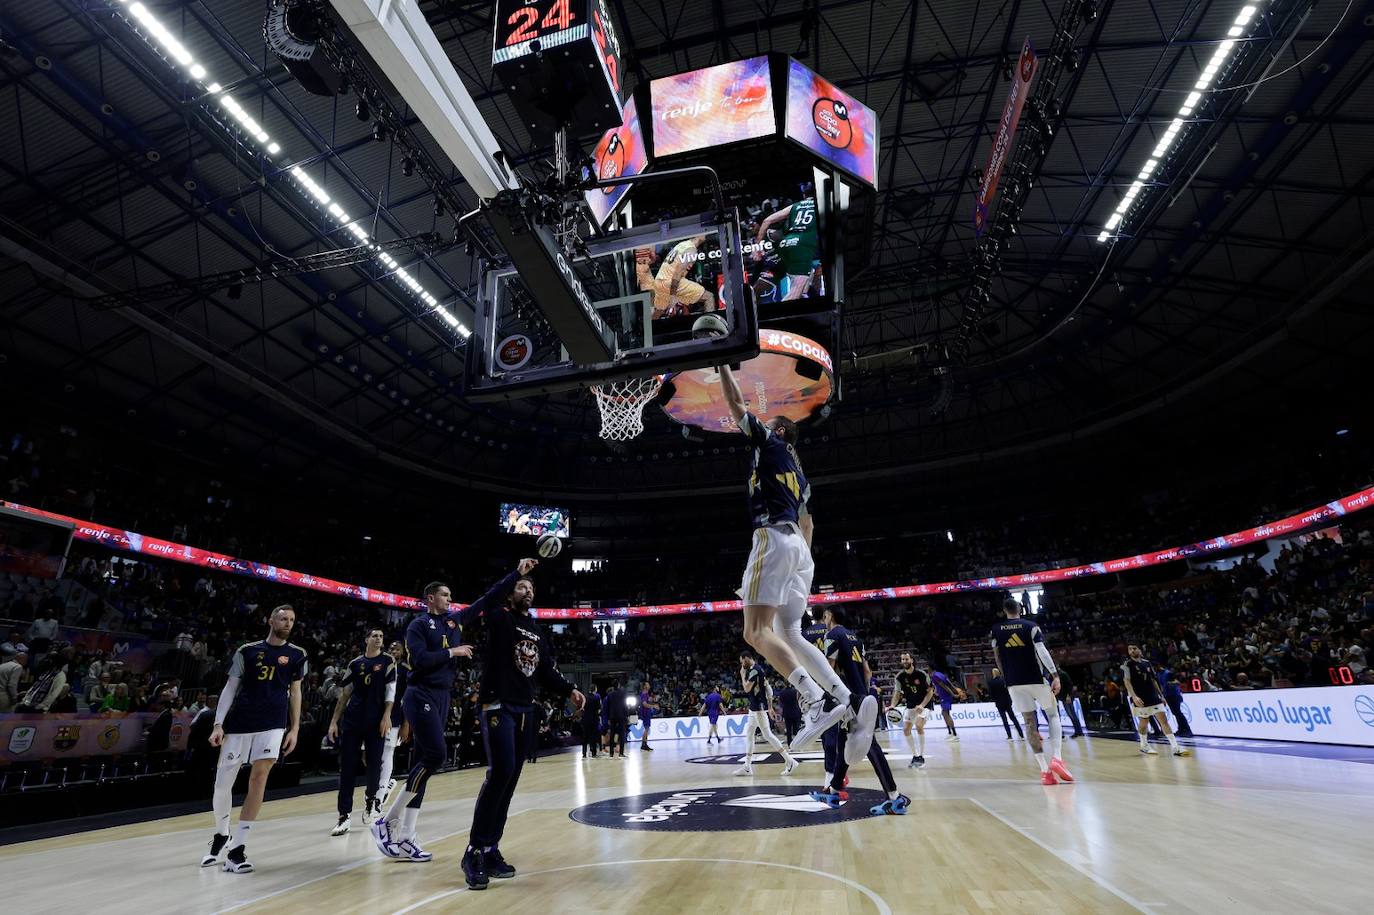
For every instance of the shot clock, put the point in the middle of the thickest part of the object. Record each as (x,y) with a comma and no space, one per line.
(559,60)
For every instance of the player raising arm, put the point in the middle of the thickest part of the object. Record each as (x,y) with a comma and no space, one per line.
(777,578)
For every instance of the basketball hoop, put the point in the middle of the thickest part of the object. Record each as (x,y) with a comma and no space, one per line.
(622,406)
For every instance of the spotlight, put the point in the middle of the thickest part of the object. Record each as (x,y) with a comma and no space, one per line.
(407,166)
(361,111)
(379,132)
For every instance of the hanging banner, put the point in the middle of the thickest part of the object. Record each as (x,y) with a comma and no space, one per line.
(1006,132)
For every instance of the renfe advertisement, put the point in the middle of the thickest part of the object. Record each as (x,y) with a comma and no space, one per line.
(712,107)
(620,154)
(831,123)
(1317,714)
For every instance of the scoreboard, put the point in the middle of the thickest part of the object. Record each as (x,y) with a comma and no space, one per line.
(560,61)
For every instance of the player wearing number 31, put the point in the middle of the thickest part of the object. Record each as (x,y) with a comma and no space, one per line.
(255,723)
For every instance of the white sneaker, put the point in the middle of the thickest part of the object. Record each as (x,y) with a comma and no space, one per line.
(217,844)
(342,826)
(381,834)
(745,769)
(409,851)
(816,721)
(951,737)
(791,765)
(1148,750)
(861,731)
(237,862)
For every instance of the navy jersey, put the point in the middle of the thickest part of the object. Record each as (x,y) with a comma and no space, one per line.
(844,648)
(1143,679)
(754,689)
(518,655)
(1015,641)
(428,639)
(265,674)
(591,709)
(777,487)
(915,686)
(815,634)
(788,702)
(713,703)
(369,678)
(398,712)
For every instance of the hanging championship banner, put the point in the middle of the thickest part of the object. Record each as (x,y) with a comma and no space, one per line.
(1006,131)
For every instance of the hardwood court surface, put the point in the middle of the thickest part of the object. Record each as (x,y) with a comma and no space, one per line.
(1223,831)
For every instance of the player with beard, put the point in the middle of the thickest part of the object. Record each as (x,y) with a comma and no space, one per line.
(256,722)
(517,659)
(915,692)
(1147,701)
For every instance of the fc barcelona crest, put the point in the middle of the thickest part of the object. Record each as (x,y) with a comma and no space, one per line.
(66,737)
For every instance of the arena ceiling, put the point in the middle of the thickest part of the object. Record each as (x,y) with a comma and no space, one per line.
(1239,279)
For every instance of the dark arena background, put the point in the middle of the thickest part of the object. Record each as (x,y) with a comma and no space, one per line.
(535,445)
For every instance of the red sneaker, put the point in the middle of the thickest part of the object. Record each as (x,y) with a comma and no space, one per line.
(1058,768)
(1047,778)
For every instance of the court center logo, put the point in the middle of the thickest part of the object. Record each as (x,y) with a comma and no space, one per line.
(737,808)
(1364,707)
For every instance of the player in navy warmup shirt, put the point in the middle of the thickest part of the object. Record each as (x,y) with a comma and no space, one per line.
(846,653)
(755,688)
(1018,646)
(433,641)
(647,710)
(369,690)
(517,661)
(710,707)
(1147,700)
(256,722)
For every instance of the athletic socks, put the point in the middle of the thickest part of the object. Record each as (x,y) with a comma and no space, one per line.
(808,687)
(911,744)
(1144,737)
(1173,741)
(1042,762)
(922,738)
(398,803)
(1056,737)
(223,799)
(409,817)
(241,834)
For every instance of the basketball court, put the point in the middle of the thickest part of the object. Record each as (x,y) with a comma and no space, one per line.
(1223,831)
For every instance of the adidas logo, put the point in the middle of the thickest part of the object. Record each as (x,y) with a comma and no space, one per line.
(1015,641)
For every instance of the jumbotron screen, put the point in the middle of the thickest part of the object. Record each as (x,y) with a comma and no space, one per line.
(781,229)
(712,107)
(831,123)
(620,154)
(537,520)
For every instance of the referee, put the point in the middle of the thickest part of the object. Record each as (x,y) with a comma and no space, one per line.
(518,653)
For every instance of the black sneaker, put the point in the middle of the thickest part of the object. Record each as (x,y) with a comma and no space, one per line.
(920,762)
(216,846)
(475,869)
(237,862)
(496,865)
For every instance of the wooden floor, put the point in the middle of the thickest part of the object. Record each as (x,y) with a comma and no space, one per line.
(1224,831)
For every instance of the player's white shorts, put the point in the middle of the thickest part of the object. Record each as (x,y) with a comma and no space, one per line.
(779,570)
(1025,697)
(1147,711)
(915,714)
(243,749)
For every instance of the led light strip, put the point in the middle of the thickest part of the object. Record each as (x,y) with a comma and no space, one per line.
(1175,128)
(154,29)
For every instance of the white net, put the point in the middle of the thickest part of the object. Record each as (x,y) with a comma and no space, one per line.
(622,406)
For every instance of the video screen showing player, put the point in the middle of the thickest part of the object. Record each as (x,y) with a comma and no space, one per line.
(536,520)
(781,257)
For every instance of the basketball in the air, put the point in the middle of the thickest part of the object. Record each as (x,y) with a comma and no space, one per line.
(709,326)
(550,546)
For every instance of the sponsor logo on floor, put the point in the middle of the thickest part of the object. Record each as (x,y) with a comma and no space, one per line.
(724,809)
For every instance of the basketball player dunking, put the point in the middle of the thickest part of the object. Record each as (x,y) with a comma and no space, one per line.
(914,692)
(755,691)
(777,578)
(1019,647)
(256,722)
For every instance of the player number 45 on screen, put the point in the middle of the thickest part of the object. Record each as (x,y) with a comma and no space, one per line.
(558,18)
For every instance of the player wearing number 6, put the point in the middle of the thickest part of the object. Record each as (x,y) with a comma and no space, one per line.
(255,723)
(777,578)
